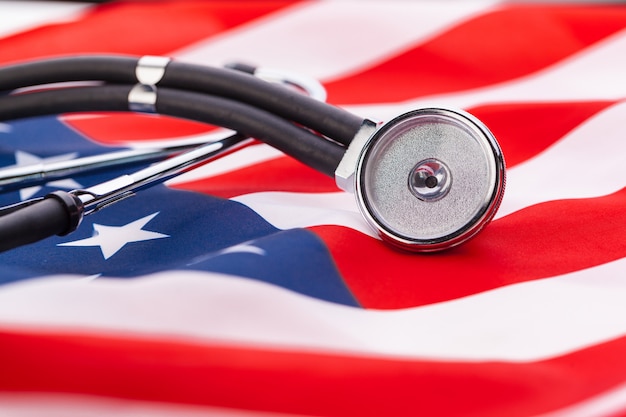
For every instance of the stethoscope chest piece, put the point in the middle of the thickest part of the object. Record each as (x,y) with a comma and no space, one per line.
(430,179)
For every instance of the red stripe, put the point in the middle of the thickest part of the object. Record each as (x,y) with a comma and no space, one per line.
(281,174)
(491,48)
(126,127)
(534,243)
(135,27)
(300,382)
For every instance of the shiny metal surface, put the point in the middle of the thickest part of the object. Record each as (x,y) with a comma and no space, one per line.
(345,172)
(150,69)
(142,98)
(458,150)
(430,180)
(16,177)
(109,192)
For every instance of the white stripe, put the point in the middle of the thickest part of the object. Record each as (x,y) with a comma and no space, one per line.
(20,16)
(30,404)
(286,210)
(524,322)
(595,73)
(328,39)
(588,162)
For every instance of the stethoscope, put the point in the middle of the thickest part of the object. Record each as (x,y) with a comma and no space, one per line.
(427,180)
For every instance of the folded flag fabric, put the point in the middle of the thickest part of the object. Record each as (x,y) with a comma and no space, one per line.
(251,286)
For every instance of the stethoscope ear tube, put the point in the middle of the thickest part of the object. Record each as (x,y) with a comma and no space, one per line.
(228,83)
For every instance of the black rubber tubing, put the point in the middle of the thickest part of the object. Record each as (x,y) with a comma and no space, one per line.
(331,121)
(318,153)
(113,69)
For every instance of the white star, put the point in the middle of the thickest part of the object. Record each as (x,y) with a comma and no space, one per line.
(24,158)
(113,238)
(5,128)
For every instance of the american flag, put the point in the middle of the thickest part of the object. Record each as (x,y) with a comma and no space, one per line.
(252,287)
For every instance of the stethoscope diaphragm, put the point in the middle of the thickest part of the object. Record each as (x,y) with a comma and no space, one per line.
(430,179)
